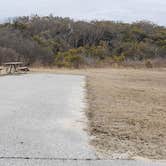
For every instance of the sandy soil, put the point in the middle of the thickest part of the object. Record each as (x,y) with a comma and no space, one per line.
(127,111)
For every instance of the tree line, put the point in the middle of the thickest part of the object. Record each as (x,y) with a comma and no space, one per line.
(64,42)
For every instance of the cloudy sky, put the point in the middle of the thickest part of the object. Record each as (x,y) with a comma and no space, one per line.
(119,10)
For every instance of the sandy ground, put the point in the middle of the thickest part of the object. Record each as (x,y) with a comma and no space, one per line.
(127,111)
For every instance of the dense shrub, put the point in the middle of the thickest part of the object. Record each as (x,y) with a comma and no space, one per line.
(148,64)
(54,40)
(8,54)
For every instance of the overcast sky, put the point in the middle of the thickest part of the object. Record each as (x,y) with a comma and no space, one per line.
(118,10)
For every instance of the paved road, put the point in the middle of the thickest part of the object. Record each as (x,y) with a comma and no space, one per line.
(42,121)
(78,163)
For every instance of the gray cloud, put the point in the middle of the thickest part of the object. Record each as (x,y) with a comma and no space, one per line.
(119,10)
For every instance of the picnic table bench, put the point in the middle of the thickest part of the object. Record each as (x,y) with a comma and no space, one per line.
(25,69)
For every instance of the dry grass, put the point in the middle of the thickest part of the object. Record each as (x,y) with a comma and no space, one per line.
(127,110)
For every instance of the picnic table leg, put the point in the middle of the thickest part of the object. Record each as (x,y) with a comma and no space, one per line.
(15,68)
(6,68)
(10,69)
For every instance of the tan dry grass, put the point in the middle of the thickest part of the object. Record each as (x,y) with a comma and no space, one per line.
(127,110)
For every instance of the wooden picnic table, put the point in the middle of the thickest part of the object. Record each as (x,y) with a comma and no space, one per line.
(12,67)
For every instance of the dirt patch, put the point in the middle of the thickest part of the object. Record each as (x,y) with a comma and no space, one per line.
(127,111)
